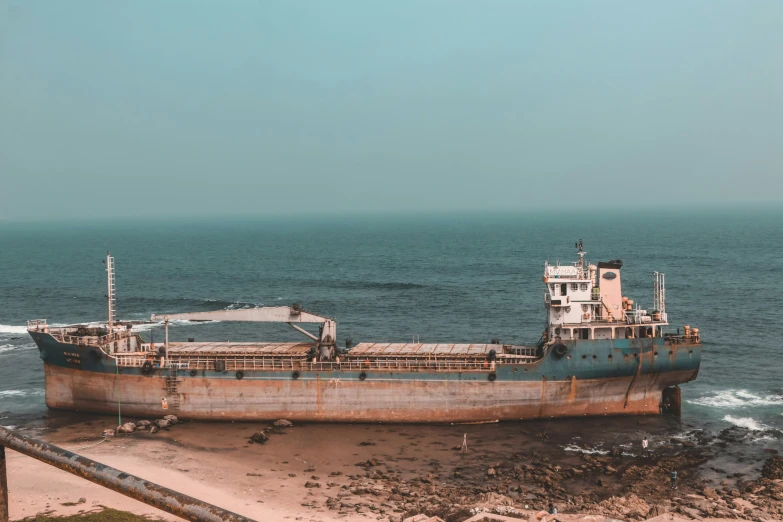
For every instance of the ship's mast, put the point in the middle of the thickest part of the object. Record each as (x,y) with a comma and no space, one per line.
(659,294)
(581,253)
(110,296)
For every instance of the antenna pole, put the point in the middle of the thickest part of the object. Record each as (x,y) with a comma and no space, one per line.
(111,295)
(581,253)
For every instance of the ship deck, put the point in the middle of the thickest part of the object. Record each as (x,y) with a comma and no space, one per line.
(240,348)
(435,350)
(361,350)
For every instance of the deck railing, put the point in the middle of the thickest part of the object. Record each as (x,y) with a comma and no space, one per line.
(90,340)
(36,324)
(249,363)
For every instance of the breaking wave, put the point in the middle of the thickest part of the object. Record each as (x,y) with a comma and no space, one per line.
(731,399)
(8,329)
(746,422)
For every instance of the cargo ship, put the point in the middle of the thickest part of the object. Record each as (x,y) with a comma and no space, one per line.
(600,354)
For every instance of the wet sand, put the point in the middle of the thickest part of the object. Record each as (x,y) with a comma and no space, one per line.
(319,472)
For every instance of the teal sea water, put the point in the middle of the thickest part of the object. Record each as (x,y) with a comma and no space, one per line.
(449,278)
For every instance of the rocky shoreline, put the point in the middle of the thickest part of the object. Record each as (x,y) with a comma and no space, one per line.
(616,485)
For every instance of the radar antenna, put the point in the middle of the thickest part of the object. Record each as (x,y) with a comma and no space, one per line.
(581,253)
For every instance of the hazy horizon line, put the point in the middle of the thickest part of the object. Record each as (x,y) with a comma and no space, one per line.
(571,210)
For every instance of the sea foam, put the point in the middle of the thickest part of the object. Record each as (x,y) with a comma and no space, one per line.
(20,393)
(587,451)
(10,347)
(730,399)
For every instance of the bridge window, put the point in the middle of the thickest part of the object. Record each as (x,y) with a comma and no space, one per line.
(583,287)
(552,288)
(574,287)
(564,289)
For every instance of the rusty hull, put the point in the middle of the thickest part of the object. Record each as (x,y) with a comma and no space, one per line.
(596,377)
(380,398)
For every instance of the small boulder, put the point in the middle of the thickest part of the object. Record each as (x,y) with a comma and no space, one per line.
(283,423)
(656,511)
(154,429)
(491,472)
(310,484)
(710,493)
(172,419)
(107,434)
(773,468)
(144,423)
(161,423)
(259,438)
(128,427)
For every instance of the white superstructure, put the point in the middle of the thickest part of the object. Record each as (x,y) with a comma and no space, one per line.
(586,302)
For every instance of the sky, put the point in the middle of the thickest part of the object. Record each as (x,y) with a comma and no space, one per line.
(187,108)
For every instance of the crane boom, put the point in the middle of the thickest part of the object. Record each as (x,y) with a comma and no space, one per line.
(267,314)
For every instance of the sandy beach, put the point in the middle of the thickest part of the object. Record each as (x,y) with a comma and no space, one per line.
(386,472)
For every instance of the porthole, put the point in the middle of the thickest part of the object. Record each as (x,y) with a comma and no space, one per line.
(583,287)
(574,287)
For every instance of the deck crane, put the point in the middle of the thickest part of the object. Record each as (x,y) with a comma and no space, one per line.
(324,342)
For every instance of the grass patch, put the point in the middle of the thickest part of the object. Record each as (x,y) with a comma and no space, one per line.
(103,515)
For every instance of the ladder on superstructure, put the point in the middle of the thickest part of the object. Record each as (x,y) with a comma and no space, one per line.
(111,295)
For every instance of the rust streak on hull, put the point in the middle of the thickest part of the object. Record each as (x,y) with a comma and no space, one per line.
(359,401)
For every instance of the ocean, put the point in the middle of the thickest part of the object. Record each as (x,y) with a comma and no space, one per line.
(441,278)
